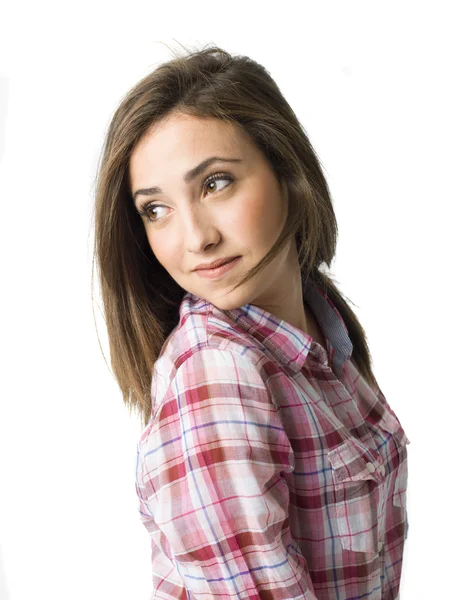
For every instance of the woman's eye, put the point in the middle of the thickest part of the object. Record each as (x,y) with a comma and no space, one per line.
(147,211)
(211,183)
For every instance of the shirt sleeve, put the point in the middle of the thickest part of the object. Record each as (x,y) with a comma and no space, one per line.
(213,479)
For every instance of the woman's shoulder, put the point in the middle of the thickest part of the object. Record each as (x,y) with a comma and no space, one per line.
(202,326)
(183,366)
(201,335)
(209,341)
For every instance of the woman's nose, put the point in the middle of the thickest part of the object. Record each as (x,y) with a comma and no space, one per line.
(199,230)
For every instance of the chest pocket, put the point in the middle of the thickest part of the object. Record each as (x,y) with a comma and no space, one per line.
(357,470)
(391,424)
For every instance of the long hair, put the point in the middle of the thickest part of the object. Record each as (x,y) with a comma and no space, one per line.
(140,299)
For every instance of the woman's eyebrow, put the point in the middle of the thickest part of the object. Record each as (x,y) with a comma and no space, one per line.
(188,177)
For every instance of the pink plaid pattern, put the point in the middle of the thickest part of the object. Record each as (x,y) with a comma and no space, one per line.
(266,472)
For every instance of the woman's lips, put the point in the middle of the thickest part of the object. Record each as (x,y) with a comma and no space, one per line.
(218,271)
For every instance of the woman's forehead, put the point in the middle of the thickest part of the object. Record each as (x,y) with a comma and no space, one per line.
(180,129)
(180,143)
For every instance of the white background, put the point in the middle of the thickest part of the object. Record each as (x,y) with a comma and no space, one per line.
(370,83)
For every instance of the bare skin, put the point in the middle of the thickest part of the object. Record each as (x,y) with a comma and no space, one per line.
(194,222)
(242,215)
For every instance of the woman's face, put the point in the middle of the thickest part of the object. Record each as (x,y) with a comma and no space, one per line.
(229,208)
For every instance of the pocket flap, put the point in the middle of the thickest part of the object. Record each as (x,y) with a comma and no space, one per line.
(352,461)
(391,424)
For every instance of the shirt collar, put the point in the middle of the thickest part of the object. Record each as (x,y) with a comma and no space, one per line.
(289,344)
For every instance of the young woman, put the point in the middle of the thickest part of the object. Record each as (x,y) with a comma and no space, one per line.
(270,463)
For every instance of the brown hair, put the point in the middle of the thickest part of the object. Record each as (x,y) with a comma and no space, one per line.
(140,299)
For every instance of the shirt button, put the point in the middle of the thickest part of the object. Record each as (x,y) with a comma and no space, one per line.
(370,467)
(383,470)
(380,546)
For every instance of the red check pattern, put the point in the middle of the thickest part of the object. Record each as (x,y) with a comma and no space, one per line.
(269,469)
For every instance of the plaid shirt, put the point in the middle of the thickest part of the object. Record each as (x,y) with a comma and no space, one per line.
(264,472)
